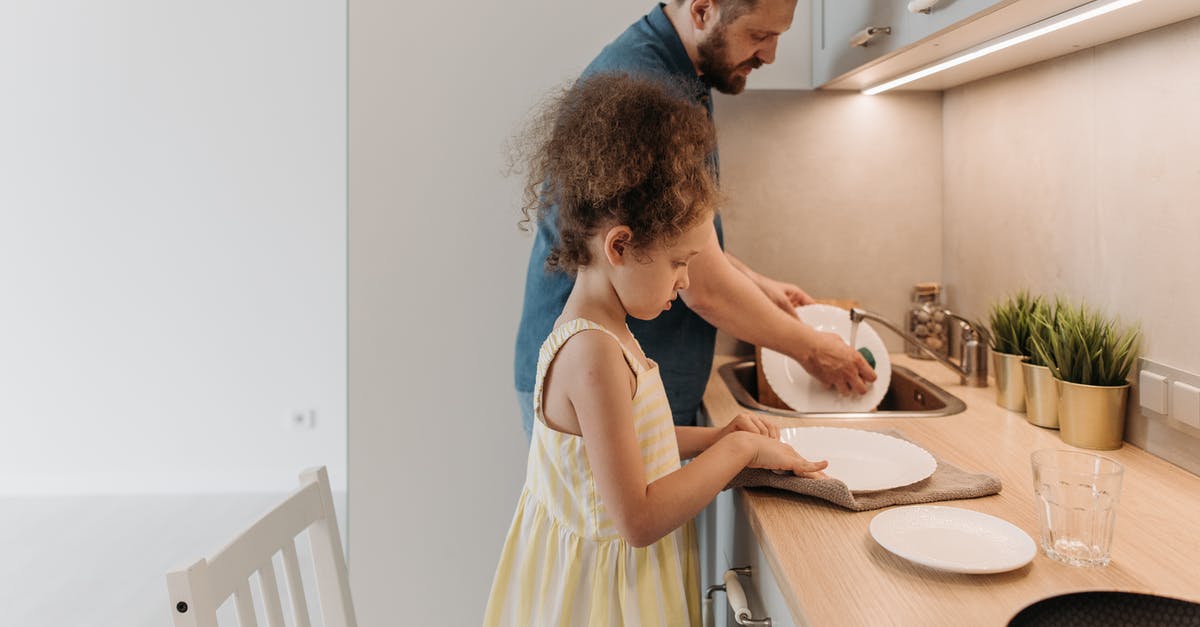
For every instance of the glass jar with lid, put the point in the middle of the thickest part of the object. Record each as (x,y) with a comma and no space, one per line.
(926,321)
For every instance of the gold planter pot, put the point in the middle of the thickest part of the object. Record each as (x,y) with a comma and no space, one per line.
(1091,416)
(1010,383)
(1041,396)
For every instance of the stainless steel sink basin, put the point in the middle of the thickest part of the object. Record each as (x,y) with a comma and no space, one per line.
(909,395)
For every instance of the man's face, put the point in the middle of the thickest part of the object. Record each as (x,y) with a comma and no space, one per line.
(733,48)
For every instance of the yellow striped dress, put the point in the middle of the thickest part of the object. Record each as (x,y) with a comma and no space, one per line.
(564,562)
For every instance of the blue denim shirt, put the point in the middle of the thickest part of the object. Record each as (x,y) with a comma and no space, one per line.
(678,339)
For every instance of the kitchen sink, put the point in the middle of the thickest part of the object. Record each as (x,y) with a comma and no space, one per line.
(909,395)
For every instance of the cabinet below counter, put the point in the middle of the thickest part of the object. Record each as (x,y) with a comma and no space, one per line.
(829,570)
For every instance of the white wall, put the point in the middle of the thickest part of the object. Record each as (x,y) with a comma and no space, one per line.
(172,244)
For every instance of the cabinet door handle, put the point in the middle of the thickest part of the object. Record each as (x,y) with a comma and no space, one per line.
(736,595)
(865,36)
(922,6)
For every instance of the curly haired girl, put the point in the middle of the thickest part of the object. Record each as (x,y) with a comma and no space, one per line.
(602,533)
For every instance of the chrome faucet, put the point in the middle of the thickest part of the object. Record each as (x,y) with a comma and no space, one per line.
(972,366)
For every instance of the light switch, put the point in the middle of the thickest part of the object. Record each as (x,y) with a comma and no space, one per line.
(1185,404)
(1152,391)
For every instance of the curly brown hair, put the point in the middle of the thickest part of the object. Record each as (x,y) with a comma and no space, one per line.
(612,150)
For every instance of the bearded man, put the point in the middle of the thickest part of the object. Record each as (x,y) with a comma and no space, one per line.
(701,44)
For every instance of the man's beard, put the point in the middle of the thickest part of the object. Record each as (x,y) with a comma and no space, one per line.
(716,70)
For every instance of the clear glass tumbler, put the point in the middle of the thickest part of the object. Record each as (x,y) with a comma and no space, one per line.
(1077,495)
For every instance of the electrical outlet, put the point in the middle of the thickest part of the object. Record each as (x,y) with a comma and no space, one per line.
(1152,391)
(1170,392)
(304,420)
(1185,404)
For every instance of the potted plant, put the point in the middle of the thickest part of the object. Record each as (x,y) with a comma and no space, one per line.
(1041,389)
(1010,321)
(1090,356)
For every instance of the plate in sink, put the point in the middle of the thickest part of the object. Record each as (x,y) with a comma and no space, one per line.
(953,539)
(803,392)
(865,461)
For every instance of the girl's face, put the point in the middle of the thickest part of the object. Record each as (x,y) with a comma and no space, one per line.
(647,280)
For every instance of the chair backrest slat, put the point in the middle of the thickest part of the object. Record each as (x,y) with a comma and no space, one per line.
(241,557)
(245,604)
(270,595)
(197,591)
(336,605)
(291,568)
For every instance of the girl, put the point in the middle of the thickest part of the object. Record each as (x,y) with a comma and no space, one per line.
(603,532)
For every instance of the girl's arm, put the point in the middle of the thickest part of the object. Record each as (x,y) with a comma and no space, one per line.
(696,440)
(596,381)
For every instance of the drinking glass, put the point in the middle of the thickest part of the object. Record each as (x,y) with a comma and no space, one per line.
(1077,495)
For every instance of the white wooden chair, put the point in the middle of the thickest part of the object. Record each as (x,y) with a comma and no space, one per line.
(197,591)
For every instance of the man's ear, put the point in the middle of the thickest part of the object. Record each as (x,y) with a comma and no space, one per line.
(618,246)
(703,13)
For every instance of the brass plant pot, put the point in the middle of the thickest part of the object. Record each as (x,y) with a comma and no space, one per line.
(1041,396)
(1092,416)
(1010,383)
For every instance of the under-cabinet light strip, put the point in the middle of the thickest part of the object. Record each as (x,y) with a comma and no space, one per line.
(1037,29)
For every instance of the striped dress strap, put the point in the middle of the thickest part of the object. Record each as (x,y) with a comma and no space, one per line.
(584,324)
(557,339)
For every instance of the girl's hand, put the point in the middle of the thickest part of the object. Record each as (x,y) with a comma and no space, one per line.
(772,454)
(752,424)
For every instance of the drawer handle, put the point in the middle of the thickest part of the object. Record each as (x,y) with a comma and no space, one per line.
(737,600)
(922,6)
(865,36)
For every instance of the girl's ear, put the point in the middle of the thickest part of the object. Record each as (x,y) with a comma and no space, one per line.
(617,245)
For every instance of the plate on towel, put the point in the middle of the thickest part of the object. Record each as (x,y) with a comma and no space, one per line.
(865,461)
(802,392)
(953,539)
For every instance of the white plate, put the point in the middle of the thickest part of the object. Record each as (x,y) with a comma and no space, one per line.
(953,539)
(794,386)
(864,460)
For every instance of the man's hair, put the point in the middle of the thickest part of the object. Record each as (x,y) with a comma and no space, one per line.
(616,150)
(730,9)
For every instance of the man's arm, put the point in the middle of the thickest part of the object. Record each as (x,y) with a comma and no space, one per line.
(730,301)
(785,295)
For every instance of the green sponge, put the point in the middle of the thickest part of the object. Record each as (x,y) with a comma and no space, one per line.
(866,353)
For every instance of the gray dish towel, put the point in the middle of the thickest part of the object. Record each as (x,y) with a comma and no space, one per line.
(947,483)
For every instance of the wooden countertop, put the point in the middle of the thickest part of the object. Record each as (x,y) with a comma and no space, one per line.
(831,571)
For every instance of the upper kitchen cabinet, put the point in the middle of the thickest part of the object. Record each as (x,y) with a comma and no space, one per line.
(860,44)
(849,34)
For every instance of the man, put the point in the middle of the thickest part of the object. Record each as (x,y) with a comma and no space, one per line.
(704,44)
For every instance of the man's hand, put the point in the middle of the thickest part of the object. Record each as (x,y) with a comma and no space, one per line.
(786,296)
(832,362)
(728,297)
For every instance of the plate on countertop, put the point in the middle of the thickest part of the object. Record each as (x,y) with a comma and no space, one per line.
(865,461)
(953,539)
(804,393)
